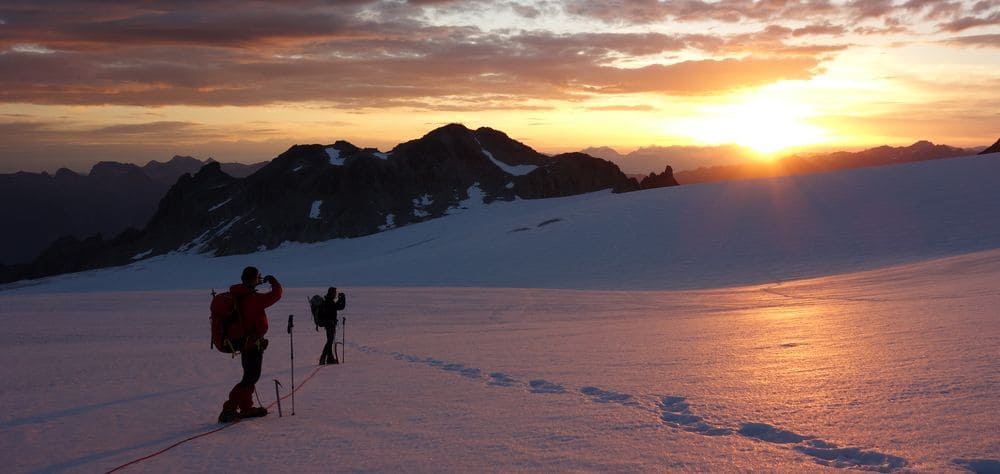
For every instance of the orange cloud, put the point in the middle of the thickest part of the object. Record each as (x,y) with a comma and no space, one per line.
(441,59)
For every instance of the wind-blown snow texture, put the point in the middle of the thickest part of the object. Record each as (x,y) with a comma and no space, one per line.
(892,368)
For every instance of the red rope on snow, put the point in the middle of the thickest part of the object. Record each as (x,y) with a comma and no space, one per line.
(215,430)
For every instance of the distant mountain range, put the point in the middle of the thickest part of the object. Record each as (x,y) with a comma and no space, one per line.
(680,158)
(684,159)
(37,208)
(803,164)
(313,193)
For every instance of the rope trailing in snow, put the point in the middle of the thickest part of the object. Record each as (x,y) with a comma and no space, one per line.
(215,430)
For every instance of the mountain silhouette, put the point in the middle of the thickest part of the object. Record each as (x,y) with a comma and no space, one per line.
(312,193)
(803,164)
(994,148)
(112,197)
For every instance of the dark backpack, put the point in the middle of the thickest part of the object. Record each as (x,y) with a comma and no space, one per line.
(315,302)
(227,329)
(324,318)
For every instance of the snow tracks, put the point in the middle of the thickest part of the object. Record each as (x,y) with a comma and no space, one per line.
(675,412)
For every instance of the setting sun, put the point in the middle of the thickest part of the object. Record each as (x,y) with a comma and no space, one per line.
(672,79)
(766,123)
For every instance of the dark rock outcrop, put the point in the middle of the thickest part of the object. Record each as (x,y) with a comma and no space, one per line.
(662,180)
(994,148)
(312,193)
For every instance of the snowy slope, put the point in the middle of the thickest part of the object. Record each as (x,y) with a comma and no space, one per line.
(685,237)
(893,368)
(890,369)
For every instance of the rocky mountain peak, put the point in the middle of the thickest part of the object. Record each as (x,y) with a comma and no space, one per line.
(113,170)
(664,179)
(175,161)
(168,172)
(65,173)
(449,132)
(314,192)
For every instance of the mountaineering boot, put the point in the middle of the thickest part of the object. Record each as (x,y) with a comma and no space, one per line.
(253,412)
(228,416)
(334,361)
(322,359)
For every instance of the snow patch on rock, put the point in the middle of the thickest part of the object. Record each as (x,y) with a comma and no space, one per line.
(390,222)
(519,170)
(314,210)
(223,203)
(420,205)
(335,158)
(142,255)
(476,199)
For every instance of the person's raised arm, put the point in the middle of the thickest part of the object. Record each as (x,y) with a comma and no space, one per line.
(274,295)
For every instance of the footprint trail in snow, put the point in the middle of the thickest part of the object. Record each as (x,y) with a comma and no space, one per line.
(675,412)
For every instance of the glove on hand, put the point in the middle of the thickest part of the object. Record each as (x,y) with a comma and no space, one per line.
(269,279)
(261,344)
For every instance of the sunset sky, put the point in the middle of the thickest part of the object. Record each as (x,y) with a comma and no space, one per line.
(82,81)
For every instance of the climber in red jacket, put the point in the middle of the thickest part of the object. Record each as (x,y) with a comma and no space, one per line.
(250,306)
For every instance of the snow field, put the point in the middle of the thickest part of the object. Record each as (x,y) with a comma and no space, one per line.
(882,370)
(557,335)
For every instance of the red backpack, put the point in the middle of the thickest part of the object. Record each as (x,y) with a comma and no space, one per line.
(227,330)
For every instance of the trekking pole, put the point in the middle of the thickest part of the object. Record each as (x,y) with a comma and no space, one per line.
(277,396)
(343,338)
(291,342)
(258,396)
